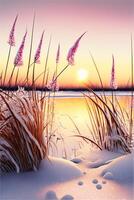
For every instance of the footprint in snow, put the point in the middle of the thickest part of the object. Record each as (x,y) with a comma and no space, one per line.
(51,195)
(104,182)
(67,197)
(95,181)
(80,183)
(99,186)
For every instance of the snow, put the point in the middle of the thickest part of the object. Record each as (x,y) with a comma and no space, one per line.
(60,179)
(68,94)
(4,142)
(29,184)
(80,183)
(67,197)
(76,160)
(121,169)
(51,195)
(108,175)
(104,182)
(95,158)
(99,186)
(58,169)
(95,181)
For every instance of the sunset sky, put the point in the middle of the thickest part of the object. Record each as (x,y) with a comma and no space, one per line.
(108,23)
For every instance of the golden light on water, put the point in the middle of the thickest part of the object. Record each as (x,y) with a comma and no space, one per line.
(82,75)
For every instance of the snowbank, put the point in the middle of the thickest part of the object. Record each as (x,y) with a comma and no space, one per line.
(58,169)
(96,158)
(59,179)
(29,184)
(121,169)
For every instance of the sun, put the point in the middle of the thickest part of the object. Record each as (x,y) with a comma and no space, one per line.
(82,74)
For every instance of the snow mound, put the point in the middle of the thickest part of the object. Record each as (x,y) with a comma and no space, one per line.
(108,176)
(93,155)
(98,163)
(60,169)
(121,169)
(30,184)
(95,158)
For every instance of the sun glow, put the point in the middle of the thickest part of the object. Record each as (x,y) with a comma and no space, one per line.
(82,74)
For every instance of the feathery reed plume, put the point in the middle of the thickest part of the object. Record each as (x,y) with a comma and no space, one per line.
(70,55)
(18,61)
(11,42)
(38,51)
(113,84)
(72,51)
(37,56)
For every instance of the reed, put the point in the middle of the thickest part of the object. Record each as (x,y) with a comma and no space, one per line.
(109,129)
(11,42)
(37,59)
(18,61)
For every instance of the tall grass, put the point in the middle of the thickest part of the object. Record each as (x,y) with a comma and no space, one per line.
(11,42)
(26,118)
(109,128)
(22,129)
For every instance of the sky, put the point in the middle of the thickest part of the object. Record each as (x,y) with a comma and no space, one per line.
(108,24)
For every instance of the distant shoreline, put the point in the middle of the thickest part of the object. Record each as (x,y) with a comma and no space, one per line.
(121,89)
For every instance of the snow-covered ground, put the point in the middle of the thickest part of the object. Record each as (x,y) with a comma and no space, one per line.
(90,175)
(93,175)
(71,94)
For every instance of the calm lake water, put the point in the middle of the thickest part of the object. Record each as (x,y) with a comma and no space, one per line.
(69,104)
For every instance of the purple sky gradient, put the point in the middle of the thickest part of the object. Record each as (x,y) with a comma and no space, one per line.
(108,24)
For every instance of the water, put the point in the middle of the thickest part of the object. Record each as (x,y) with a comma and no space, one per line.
(71,106)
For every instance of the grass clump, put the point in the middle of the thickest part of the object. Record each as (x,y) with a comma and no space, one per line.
(111,125)
(109,129)
(26,118)
(22,126)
